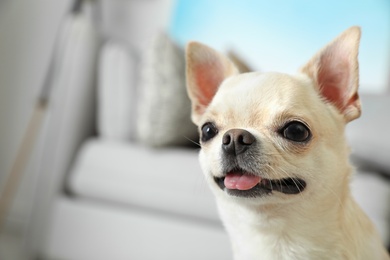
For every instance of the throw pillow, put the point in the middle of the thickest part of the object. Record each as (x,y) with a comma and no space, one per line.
(164,109)
(116,82)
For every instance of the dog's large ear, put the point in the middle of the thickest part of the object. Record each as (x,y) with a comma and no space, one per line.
(206,70)
(335,71)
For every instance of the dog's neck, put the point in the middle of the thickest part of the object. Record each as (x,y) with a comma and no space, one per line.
(293,230)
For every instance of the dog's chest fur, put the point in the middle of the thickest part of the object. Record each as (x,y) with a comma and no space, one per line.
(269,233)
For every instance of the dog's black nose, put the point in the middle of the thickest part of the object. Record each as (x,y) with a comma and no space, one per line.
(237,141)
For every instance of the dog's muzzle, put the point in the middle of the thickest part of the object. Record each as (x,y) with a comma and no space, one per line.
(240,178)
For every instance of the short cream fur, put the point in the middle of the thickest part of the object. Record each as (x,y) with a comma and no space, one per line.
(321,222)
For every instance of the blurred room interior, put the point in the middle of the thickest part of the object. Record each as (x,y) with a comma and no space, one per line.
(95,118)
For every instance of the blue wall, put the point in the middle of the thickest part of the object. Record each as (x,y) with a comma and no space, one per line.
(281,35)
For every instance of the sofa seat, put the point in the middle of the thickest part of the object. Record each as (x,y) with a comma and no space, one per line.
(81,229)
(168,179)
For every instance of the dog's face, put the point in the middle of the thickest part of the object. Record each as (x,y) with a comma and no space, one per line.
(273,137)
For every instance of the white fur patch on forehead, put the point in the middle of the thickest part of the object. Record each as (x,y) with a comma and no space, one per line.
(264,86)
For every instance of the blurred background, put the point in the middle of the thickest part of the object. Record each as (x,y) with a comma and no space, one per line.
(97,153)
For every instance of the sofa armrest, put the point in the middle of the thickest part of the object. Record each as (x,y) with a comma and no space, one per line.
(70,117)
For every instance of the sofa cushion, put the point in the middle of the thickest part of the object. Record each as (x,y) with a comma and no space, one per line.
(368,135)
(116,92)
(164,109)
(134,22)
(168,179)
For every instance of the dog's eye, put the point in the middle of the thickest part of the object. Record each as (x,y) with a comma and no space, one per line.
(208,131)
(296,131)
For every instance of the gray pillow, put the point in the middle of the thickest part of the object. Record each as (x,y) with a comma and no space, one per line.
(163,107)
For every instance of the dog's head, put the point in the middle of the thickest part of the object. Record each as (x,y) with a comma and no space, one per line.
(272,136)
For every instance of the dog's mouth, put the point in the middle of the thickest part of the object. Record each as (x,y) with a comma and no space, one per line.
(241,184)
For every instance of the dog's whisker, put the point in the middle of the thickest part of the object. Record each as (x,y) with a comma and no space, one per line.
(192,141)
(280,183)
(268,176)
(288,176)
(338,199)
(285,172)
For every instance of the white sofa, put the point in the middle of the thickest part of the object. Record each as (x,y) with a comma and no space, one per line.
(103,198)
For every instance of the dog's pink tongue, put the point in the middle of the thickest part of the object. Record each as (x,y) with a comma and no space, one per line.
(239,181)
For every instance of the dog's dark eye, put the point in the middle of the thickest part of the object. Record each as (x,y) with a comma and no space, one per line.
(296,131)
(208,131)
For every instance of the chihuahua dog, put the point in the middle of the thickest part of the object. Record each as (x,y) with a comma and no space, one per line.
(274,152)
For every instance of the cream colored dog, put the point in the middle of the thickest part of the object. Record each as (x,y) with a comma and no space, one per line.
(275,154)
